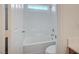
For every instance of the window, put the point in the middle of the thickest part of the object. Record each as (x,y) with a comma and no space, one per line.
(38,7)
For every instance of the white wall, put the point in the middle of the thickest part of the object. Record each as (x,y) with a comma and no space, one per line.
(2,29)
(69,25)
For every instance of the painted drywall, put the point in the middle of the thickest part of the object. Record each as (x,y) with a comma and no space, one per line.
(2,34)
(69,25)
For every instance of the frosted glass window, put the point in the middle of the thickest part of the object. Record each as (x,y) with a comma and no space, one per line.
(38,7)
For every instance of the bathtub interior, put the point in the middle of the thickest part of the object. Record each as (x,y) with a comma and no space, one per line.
(37,48)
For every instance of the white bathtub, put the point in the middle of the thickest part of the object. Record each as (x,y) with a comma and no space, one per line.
(37,48)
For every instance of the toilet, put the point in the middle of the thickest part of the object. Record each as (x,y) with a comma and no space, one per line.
(51,49)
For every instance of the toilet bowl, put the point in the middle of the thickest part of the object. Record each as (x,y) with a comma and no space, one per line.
(51,49)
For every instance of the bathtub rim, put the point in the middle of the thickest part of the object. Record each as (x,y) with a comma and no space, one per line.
(29,44)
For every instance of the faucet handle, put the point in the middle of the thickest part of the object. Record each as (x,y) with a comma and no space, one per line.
(53,30)
(52,38)
(23,31)
(55,36)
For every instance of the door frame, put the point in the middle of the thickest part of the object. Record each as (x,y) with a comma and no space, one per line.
(2,28)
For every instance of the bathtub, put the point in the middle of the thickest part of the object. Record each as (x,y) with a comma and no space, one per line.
(37,48)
